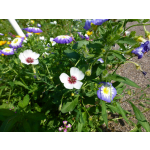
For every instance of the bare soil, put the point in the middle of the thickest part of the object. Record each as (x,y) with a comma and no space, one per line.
(129,70)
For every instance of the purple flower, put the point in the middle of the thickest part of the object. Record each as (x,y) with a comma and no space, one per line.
(65,126)
(99,21)
(81,35)
(1,34)
(38,25)
(139,51)
(87,24)
(7,51)
(100,60)
(16,43)
(33,29)
(106,92)
(95,22)
(63,39)
(86,37)
(144,73)
(60,128)
(68,126)
(146,46)
(65,130)
(29,34)
(64,122)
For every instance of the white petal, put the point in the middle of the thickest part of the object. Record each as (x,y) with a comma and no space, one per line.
(64,78)
(35,62)
(27,53)
(51,39)
(21,56)
(68,85)
(77,73)
(35,55)
(77,85)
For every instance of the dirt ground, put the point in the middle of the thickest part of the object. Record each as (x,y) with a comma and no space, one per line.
(129,70)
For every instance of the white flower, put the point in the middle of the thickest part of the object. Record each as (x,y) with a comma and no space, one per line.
(9,38)
(54,22)
(127,33)
(42,38)
(73,81)
(45,53)
(29,57)
(53,42)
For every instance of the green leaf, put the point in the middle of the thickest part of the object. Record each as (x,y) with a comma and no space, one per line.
(125,80)
(9,123)
(69,106)
(26,126)
(25,102)
(79,44)
(104,113)
(6,112)
(98,71)
(80,126)
(127,40)
(120,56)
(113,108)
(72,54)
(21,84)
(35,116)
(140,117)
(122,112)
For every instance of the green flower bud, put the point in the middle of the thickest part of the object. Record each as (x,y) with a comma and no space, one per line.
(60,106)
(88,72)
(90,118)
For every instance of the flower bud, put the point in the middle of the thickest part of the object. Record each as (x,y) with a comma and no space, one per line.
(140,39)
(60,106)
(88,72)
(103,50)
(109,66)
(90,118)
(72,94)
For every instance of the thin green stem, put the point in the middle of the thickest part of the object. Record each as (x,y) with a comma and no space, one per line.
(77,62)
(85,108)
(135,25)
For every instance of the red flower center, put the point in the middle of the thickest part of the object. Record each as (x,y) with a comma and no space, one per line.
(72,79)
(29,60)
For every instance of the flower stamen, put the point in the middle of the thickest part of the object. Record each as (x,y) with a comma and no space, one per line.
(72,79)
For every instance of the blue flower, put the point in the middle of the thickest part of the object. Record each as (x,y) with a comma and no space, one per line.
(139,51)
(106,92)
(95,22)
(63,39)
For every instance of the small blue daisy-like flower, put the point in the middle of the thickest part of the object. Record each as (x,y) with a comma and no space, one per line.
(39,25)
(7,51)
(29,34)
(106,92)
(100,60)
(63,39)
(1,34)
(16,43)
(95,22)
(33,29)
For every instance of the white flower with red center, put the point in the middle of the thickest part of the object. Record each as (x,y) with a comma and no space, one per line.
(29,57)
(74,80)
